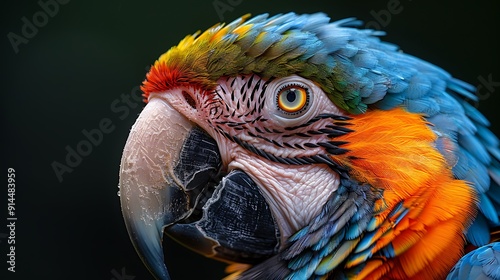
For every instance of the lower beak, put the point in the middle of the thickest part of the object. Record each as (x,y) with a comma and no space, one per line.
(160,182)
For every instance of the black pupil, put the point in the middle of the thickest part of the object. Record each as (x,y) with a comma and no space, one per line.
(291,95)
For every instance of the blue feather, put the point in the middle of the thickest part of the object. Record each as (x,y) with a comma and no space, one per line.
(365,60)
(388,251)
(398,85)
(403,70)
(475,148)
(366,241)
(267,41)
(298,23)
(280,19)
(448,104)
(334,38)
(494,152)
(458,87)
(320,58)
(478,233)
(348,22)
(356,229)
(468,168)
(482,263)
(490,258)
(362,256)
(317,20)
(257,19)
(390,101)
(426,106)
(418,87)
(299,234)
(291,41)
(349,50)
(303,260)
(494,195)
(474,114)
(306,270)
(329,62)
(445,125)
(333,243)
(488,209)
(366,87)
(488,138)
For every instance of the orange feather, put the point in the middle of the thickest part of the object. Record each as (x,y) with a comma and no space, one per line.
(394,151)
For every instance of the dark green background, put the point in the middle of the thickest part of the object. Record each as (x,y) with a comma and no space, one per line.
(66,78)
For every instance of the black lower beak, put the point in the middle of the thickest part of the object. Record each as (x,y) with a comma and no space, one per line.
(235,223)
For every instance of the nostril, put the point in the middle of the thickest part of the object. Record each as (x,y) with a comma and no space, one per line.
(189,99)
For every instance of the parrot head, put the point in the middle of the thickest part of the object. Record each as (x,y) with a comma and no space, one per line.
(274,140)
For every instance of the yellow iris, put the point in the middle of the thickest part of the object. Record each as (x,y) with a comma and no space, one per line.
(292,98)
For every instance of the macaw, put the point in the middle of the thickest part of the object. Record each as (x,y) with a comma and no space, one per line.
(293,147)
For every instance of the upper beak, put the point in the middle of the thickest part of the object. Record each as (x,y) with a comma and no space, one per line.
(157,188)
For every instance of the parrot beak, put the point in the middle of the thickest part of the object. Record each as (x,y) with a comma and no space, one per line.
(167,163)
(172,179)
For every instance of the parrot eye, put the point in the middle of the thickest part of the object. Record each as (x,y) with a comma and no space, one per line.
(292,99)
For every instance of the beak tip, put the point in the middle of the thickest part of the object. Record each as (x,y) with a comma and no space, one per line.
(147,240)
